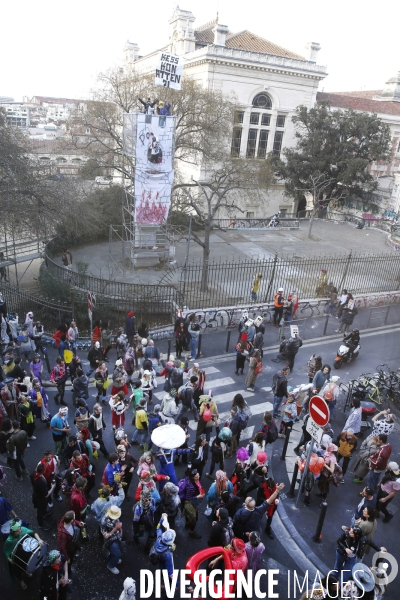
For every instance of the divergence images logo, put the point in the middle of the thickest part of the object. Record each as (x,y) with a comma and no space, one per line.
(385,561)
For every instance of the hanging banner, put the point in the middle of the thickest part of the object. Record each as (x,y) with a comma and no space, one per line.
(152,197)
(155,137)
(169,68)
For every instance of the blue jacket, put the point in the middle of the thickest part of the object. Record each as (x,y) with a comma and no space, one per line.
(212,497)
(130,326)
(164,551)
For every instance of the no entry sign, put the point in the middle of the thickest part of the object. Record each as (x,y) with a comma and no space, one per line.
(319,411)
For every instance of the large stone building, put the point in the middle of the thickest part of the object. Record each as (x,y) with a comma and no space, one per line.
(268,81)
(385,202)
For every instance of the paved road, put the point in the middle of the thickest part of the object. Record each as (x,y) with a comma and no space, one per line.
(93,582)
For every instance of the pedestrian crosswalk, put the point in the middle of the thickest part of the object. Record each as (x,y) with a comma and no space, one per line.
(219,386)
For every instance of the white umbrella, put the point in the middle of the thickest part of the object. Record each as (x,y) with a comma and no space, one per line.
(168,437)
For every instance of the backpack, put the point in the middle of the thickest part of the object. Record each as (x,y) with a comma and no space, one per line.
(258,368)
(207,414)
(243,420)
(181,395)
(328,394)
(153,556)
(272,434)
(54,375)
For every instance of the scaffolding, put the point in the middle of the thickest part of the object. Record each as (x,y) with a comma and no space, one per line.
(15,251)
(143,244)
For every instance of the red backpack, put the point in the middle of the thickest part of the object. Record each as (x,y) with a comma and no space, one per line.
(207,414)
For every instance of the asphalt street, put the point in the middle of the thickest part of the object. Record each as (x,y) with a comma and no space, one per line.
(91,580)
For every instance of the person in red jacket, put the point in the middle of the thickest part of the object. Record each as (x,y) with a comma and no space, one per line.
(68,537)
(51,473)
(81,463)
(269,487)
(378,462)
(96,333)
(78,502)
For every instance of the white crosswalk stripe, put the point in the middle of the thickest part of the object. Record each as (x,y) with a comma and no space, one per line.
(224,400)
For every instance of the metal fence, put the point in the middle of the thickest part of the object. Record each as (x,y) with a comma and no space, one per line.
(283,222)
(231,282)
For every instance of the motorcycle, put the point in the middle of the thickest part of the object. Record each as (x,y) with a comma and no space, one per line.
(344,356)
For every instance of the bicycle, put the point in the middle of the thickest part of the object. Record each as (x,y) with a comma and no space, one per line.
(310,307)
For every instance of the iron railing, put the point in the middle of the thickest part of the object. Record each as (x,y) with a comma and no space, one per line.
(239,223)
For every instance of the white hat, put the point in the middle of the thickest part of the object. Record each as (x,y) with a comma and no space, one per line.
(280,289)
(119,362)
(335,378)
(97,344)
(129,587)
(144,341)
(146,372)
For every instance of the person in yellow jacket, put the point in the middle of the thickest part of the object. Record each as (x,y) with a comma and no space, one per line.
(256,287)
(347,443)
(278,306)
(141,424)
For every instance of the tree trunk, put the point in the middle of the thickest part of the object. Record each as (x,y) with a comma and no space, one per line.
(314,212)
(206,255)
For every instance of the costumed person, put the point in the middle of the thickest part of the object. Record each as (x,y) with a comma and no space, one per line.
(144,520)
(119,379)
(17,531)
(315,467)
(54,577)
(82,415)
(147,482)
(96,427)
(118,409)
(128,463)
(129,592)
(191,494)
(36,368)
(148,383)
(167,466)
(148,105)
(237,554)
(111,529)
(164,547)
(254,549)
(105,500)
(59,376)
(256,287)
(102,382)
(41,401)
(78,502)
(200,456)
(269,488)
(170,502)
(208,416)
(80,463)
(27,419)
(221,484)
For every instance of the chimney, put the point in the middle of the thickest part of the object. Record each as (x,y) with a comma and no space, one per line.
(131,52)
(313,49)
(391,92)
(220,33)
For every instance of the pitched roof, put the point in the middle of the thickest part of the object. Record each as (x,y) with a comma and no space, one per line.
(57,100)
(360,101)
(244,40)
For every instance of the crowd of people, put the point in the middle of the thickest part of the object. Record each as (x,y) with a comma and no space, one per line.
(242,492)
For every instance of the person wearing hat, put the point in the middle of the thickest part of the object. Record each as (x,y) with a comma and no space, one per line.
(361,584)
(60,429)
(100,506)
(185,395)
(111,529)
(170,502)
(143,519)
(278,306)
(147,482)
(17,531)
(330,393)
(101,382)
(237,554)
(164,546)
(129,591)
(27,419)
(130,326)
(387,490)
(40,401)
(155,421)
(119,377)
(347,443)
(148,382)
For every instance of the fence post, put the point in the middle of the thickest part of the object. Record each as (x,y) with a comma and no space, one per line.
(271,281)
(369,318)
(228,341)
(286,443)
(387,314)
(317,535)
(199,346)
(169,349)
(342,282)
(326,324)
(290,493)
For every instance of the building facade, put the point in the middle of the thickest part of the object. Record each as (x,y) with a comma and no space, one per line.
(268,81)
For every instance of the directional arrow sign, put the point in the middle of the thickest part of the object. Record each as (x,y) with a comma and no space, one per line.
(319,411)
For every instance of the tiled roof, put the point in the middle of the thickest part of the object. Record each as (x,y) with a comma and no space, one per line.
(245,40)
(361,102)
(57,100)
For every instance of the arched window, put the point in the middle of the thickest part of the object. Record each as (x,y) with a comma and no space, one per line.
(262,101)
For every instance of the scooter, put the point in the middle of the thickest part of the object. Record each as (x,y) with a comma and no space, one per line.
(343,355)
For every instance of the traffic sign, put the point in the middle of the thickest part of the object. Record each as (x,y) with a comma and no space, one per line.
(314,430)
(319,410)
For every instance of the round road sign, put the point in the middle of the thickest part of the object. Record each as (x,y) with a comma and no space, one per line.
(319,411)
